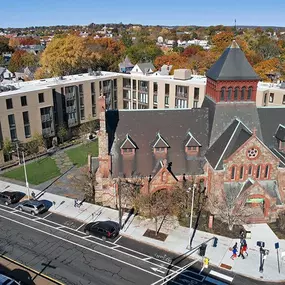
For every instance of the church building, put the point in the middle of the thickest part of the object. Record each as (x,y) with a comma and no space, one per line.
(234,147)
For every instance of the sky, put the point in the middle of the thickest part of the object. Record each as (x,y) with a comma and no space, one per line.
(26,13)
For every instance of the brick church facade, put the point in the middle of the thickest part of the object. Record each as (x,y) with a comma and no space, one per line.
(235,148)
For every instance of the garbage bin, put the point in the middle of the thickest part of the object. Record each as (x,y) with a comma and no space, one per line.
(202,249)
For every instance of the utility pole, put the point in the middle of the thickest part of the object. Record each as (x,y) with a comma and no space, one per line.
(120,202)
(26,177)
(277,252)
(191,213)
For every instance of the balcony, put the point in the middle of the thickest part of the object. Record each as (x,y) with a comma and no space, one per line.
(46,118)
(48,132)
(181,94)
(70,109)
(107,89)
(143,88)
(72,122)
(70,96)
(127,86)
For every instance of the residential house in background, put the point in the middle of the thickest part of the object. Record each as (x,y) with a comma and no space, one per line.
(143,68)
(5,74)
(125,66)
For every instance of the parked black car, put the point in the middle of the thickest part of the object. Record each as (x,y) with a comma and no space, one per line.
(8,198)
(103,229)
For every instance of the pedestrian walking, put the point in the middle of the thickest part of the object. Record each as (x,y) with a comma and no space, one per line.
(75,203)
(245,247)
(234,251)
(241,251)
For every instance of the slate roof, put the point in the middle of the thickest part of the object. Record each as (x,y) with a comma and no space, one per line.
(270,118)
(280,133)
(232,65)
(223,113)
(143,127)
(232,138)
(192,141)
(234,189)
(128,143)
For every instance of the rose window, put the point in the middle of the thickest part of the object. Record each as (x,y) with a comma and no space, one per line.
(252,153)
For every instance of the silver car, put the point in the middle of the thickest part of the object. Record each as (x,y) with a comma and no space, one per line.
(31,206)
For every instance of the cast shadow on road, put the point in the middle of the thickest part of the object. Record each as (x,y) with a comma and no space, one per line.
(17,274)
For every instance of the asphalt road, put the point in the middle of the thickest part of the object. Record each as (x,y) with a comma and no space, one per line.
(57,246)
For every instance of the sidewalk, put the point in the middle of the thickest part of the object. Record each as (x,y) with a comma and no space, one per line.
(177,239)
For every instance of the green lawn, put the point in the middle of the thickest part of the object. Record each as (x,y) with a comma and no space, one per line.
(38,171)
(79,155)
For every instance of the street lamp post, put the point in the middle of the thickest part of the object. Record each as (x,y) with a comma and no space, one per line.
(26,177)
(191,213)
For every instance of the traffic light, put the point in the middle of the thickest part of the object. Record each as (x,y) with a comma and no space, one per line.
(215,243)
(202,249)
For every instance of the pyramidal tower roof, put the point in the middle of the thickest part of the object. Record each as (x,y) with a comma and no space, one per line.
(232,65)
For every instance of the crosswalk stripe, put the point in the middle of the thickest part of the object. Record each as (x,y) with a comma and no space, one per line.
(220,275)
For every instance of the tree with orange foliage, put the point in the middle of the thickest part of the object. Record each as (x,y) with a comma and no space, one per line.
(222,40)
(267,66)
(176,60)
(191,50)
(14,42)
(21,59)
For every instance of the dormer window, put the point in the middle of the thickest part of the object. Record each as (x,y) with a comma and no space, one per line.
(160,146)
(128,146)
(192,146)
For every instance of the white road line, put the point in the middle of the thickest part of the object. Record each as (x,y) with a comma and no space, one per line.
(116,246)
(61,228)
(80,227)
(147,258)
(117,239)
(88,237)
(220,275)
(47,215)
(82,246)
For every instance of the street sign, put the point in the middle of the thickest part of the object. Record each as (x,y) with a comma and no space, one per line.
(276,245)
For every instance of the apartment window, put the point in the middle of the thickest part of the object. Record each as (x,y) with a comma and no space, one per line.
(283,101)
(135,95)
(195,104)
(181,103)
(41,97)
(241,172)
(92,87)
(134,105)
(236,94)
(282,145)
(24,101)
(271,97)
(115,83)
(196,93)
(166,89)
(155,87)
(82,114)
(143,98)
(258,171)
(166,100)
(12,126)
(9,103)
(143,85)
(223,91)
(230,91)
(134,84)
(155,99)
(233,171)
(62,90)
(242,95)
(249,93)
(26,121)
(126,83)
(182,91)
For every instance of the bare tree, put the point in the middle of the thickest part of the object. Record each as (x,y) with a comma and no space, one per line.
(229,208)
(85,182)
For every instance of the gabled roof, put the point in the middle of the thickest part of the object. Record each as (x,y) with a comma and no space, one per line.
(126,63)
(232,65)
(128,143)
(270,119)
(280,133)
(160,142)
(192,141)
(231,139)
(146,67)
(280,155)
